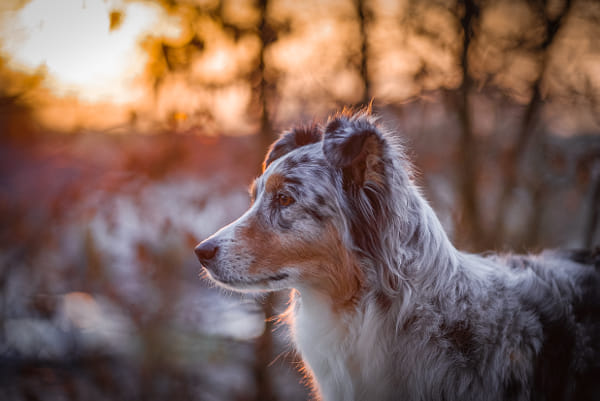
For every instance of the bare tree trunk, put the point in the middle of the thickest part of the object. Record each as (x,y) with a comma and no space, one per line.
(471,232)
(264,355)
(527,131)
(362,11)
(267,36)
(264,344)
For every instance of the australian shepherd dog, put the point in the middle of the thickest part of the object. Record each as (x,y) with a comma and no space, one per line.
(383,306)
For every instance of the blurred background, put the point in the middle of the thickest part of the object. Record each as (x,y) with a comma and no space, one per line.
(130,130)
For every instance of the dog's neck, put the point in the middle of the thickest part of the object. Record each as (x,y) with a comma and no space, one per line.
(416,250)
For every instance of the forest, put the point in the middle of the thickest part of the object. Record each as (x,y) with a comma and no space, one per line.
(115,161)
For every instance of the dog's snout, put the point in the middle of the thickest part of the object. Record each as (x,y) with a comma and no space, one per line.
(206,250)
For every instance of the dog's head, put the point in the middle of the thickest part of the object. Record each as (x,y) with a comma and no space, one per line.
(315,211)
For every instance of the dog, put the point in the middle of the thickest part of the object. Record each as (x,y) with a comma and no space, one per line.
(383,306)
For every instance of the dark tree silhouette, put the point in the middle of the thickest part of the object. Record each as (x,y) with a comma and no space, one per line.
(364,19)
(526,136)
(471,231)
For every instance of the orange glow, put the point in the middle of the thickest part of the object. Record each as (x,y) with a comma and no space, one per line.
(140,65)
(180,116)
(89,49)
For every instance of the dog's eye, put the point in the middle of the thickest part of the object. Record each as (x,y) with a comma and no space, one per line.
(284,200)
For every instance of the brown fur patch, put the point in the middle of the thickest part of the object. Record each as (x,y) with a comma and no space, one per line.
(373,162)
(324,261)
(274,183)
(335,271)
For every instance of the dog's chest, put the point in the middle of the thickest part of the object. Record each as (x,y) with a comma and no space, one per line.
(318,333)
(331,346)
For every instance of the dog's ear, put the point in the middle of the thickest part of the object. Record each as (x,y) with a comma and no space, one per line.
(354,144)
(291,140)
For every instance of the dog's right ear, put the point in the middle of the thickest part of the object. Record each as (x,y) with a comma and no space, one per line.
(291,140)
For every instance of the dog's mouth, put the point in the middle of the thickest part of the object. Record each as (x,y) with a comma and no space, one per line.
(262,280)
(248,282)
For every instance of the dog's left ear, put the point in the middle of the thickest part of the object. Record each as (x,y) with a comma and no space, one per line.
(290,140)
(355,144)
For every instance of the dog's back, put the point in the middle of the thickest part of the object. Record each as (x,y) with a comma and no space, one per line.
(567,303)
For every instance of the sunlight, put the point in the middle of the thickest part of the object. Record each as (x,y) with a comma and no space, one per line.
(218,61)
(74,42)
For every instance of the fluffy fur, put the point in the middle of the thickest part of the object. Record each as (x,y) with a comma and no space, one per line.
(384,307)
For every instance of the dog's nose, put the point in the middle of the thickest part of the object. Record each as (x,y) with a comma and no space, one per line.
(206,250)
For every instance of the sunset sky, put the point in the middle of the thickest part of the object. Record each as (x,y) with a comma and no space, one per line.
(97,59)
(141,64)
